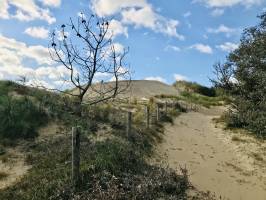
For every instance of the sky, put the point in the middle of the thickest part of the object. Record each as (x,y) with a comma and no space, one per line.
(168,40)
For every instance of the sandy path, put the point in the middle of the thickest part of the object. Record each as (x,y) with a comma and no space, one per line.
(213,161)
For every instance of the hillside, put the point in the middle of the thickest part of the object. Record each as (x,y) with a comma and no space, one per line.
(142,89)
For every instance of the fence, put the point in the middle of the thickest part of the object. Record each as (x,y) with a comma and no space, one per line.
(145,114)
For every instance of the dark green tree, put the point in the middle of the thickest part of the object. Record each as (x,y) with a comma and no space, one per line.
(248,63)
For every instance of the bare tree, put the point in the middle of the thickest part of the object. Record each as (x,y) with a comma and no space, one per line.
(86,49)
(224,74)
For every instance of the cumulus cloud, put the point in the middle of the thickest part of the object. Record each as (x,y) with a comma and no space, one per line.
(227,46)
(217,12)
(12,56)
(25,10)
(116,28)
(138,13)
(230,3)
(179,77)
(156,78)
(202,48)
(4,9)
(51,3)
(37,32)
(110,7)
(172,47)
(222,29)
(37,52)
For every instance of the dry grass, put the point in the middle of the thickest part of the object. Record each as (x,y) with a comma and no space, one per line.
(257,156)
(236,138)
(3,175)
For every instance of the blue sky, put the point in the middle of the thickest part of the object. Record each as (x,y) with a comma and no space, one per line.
(168,40)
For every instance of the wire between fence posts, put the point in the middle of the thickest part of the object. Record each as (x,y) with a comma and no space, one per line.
(75,156)
(129,124)
(147,116)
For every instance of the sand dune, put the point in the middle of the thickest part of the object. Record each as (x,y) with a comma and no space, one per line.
(140,89)
(214,161)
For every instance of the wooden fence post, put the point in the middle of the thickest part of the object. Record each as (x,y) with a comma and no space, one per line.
(157,113)
(129,122)
(166,108)
(147,116)
(75,156)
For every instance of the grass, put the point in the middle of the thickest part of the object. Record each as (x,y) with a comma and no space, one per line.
(3,175)
(201,99)
(195,98)
(238,139)
(257,156)
(110,169)
(195,88)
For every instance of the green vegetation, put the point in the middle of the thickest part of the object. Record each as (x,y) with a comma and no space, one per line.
(205,101)
(112,168)
(246,66)
(20,116)
(195,88)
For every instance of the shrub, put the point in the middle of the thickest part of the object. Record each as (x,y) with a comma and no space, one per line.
(195,87)
(20,118)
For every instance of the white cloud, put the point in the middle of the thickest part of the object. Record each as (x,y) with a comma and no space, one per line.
(227,46)
(172,47)
(110,7)
(217,12)
(156,78)
(117,28)
(187,14)
(202,48)
(4,9)
(12,56)
(119,48)
(51,3)
(179,77)
(25,10)
(37,52)
(230,3)
(146,17)
(138,13)
(222,29)
(1,76)
(37,32)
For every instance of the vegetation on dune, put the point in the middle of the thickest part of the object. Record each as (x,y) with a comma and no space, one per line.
(244,77)
(113,168)
(20,116)
(194,87)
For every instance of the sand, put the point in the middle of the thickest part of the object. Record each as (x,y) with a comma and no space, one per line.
(15,168)
(215,162)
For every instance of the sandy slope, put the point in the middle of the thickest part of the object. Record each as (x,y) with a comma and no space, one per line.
(138,89)
(14,167)
(214,161)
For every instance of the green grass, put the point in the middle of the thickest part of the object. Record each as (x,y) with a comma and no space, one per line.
(196,98)
(195,88)
(20,118)
(201,99)
(111,169)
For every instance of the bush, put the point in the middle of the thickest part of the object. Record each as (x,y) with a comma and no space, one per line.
(195,87)
(20,118)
